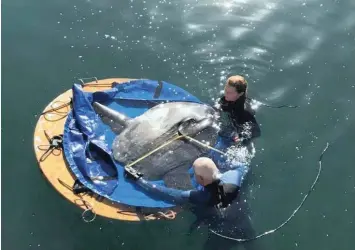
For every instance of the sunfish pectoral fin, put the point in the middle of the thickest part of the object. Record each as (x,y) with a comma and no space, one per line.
(116,120)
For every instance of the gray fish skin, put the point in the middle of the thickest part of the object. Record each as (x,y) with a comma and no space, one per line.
(155,127)
(157,124)
(116,120)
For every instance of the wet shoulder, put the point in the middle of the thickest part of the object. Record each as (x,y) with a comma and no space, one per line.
(231,177)
(248,108)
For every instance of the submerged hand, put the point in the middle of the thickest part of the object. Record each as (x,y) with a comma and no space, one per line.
(236,139)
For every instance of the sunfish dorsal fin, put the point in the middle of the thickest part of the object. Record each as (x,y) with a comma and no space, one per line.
(116,120)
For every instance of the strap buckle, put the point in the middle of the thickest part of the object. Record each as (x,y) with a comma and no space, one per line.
(131,172)
(54,147)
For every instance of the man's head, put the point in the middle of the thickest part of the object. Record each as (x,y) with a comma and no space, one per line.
(205,170)
(235,87)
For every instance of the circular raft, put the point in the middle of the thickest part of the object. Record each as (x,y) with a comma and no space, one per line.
(54,167)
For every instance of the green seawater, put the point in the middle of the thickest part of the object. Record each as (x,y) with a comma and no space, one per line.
(291,52)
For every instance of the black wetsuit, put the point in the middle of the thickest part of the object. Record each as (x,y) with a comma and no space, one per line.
(220,193)
(242,120)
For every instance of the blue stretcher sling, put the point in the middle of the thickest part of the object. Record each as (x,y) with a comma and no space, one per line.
(87,141)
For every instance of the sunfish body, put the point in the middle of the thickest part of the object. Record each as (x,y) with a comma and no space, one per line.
(137,137)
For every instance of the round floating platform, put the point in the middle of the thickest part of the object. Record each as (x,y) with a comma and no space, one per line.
(50,125)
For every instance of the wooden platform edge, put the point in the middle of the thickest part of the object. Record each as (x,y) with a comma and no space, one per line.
(54,167)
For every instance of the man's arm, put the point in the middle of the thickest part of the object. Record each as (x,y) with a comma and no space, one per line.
(250,129)
(174,195)
(255,128)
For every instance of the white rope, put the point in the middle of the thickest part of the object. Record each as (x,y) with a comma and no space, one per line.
(89,208)
(293,214)
(86,211)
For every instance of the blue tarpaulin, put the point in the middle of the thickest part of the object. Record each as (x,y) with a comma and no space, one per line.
(88,141)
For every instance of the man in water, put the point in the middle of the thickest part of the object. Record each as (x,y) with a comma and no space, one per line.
(238,121)
(238,124)
(219,189)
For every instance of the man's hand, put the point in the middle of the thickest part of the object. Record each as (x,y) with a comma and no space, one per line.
(236,139)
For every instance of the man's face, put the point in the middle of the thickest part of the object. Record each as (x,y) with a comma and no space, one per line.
(200,180)
(231,94)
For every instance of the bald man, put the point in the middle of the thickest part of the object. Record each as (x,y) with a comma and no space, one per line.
(239,122)
(219,189)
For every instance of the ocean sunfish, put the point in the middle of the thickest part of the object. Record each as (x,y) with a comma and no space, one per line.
(138,136)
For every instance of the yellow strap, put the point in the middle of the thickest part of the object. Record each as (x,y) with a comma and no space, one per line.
(153,151)
(170,141)
(204,145)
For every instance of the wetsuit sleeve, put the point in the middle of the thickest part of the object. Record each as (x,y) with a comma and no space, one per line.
(200,197)
(233,177)
(232,181)
(174,195)
(254,129)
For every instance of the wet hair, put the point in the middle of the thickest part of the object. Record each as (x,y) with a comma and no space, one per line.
(239,85)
